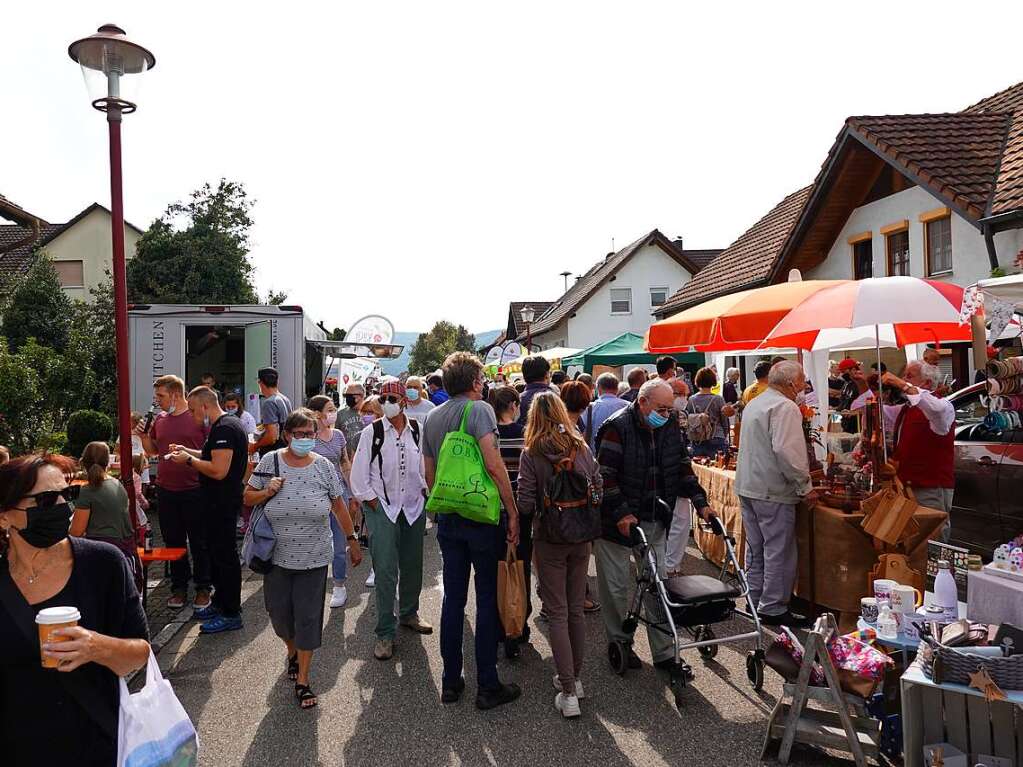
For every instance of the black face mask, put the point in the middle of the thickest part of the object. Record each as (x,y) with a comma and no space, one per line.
(350,400)
(47,526)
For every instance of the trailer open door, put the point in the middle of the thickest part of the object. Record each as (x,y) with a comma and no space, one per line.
(258,355)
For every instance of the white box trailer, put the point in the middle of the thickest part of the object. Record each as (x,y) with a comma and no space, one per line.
(231,342)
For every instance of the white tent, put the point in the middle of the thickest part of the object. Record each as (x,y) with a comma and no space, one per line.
(1008,289)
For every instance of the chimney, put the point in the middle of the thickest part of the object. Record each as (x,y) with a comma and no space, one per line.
(677,242)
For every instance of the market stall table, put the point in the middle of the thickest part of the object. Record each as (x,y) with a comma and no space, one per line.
(995,599)
(720,487)
(160,554)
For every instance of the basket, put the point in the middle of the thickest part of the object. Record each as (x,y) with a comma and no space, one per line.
(943,664)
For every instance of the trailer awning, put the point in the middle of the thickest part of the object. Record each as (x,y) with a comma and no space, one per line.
(348,350)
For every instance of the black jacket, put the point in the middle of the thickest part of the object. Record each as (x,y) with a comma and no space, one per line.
(640,464)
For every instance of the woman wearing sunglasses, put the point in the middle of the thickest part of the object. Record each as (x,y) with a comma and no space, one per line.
(300,490)
(41,567)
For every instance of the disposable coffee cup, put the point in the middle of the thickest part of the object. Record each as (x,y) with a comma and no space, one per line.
(49,620)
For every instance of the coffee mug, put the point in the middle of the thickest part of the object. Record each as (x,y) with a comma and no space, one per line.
(905,599)
(868,609)
(883,590)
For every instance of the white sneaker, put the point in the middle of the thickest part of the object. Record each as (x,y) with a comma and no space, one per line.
(371,581)
(339,596)
(578,687)
(568,705)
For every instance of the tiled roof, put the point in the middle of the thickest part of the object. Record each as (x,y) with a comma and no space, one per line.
(16,262)
(745,262)
(515,314)
(1009,100)
(588,283)
(702,257)
(956,155)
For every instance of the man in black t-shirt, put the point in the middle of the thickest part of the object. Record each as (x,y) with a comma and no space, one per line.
(221,465)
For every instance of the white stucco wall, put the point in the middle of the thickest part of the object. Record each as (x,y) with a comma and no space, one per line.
(88,241)
(593,322)
(969,252)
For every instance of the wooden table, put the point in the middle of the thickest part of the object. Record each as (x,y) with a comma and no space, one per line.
(834,562)
(959,715)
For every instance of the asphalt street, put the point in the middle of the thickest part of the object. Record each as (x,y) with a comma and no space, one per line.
(385,713)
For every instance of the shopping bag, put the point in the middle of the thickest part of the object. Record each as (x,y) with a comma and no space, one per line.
(153,728)
(511,594)
(462,484)
(860,666)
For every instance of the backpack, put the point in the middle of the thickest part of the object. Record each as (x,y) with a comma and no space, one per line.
(378,444)
(699,427)
(571,505)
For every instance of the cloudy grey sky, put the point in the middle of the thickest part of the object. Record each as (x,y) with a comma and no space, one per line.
(436,160)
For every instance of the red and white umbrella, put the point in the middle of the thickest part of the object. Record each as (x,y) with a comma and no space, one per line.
(895,310)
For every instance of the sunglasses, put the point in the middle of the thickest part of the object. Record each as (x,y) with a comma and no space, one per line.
(47,499)
(393,399)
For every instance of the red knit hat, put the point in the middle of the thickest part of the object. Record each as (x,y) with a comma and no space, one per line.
(847,364)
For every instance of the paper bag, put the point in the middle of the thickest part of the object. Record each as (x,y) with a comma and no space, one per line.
(511,594)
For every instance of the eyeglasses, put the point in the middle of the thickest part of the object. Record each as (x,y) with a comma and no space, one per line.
(664,410)
(392,398)
(47,499)
(303,434)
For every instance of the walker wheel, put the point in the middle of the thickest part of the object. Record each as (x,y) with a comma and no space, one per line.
(755,670)
(707,652)
(617,656)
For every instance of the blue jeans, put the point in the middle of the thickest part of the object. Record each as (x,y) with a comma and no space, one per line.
(465,544)
(710,448)
(340,564)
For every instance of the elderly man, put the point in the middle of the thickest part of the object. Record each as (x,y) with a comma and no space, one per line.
(636,378)
(388,477)
(642,460)
(924,437)
(419,405)
(608,403)
(772,476)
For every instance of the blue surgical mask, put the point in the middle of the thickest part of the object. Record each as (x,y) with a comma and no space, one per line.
(656,420)
(303,446)
(412,395)
(232,411)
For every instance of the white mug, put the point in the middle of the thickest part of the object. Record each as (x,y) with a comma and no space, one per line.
(905,599)
(883,590)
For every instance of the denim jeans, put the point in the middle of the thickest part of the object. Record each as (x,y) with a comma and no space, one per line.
(466,545)
(340,563)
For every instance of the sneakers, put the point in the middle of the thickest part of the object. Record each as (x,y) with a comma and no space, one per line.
(202,599)
(371,581)
(176,601)
(568,705)
(505,693)
(384,649)
(220,623)
(338,596)
(205,613)
(578,687)
(417,624)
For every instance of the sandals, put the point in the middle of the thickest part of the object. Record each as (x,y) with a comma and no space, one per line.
(306,697)
(293,667)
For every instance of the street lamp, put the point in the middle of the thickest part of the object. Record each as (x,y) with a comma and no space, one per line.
(527,314)
(110,65)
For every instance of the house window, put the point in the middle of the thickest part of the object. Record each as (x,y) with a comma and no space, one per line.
(621,300)
(938,236)
(863,259)
(658,296)
(71,273)
(898,253)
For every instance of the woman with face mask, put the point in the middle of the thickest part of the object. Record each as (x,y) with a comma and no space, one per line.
(41,568)
(233,406)
(300,490)
(331,444)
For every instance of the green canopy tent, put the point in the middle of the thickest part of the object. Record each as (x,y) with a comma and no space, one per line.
(626,349)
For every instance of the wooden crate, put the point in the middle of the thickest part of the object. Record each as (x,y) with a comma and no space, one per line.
(951,714)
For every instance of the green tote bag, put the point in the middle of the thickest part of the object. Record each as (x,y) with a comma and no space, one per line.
(462,485)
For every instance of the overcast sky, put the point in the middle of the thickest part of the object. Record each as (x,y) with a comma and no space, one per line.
(437,160)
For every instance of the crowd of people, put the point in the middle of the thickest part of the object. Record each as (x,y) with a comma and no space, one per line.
(331,480)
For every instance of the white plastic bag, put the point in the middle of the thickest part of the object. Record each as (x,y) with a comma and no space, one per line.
(153,728)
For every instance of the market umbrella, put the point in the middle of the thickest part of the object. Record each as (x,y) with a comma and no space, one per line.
(902,310)
(738,321)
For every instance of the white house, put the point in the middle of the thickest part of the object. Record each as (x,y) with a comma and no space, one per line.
(938,196)
(619,293)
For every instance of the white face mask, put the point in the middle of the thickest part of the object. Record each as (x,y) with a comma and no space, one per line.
(680,403)
(392,409)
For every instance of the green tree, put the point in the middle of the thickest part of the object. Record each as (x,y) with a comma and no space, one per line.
(94,323)
(19,402)
(276,297)
(197,251)
(38,309)
(430,349)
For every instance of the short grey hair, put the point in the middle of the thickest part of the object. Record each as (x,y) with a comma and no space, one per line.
(731,372)
(415,380)
(607,382)
(785,372)
(927,372)
(652,385)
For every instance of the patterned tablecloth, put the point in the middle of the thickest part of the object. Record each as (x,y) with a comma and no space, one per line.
(720,487)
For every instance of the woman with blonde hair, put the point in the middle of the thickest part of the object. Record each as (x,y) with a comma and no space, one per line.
(552,439)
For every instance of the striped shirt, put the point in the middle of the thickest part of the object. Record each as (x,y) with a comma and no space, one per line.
(300,512)
(332,450)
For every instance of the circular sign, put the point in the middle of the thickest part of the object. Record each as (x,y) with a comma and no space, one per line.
(372,329)
(512,350)
(494,355)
